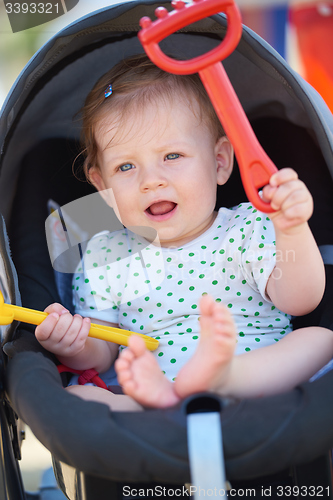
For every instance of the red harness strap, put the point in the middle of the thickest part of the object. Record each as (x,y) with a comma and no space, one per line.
(86,376)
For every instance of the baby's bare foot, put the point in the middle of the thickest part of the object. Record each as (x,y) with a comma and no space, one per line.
(141,377)
(208,369)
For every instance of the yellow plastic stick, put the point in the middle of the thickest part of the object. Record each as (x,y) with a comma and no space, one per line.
(10,312)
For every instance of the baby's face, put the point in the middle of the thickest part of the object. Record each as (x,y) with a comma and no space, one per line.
(163,168)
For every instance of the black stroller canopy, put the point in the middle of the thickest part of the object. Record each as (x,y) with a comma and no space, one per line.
(260,436)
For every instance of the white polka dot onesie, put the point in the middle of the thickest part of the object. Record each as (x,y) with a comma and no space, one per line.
(124,279)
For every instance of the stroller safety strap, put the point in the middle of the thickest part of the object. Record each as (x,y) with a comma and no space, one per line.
(205,447)
(85,376)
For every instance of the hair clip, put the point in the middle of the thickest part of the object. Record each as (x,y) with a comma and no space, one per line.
(108,91)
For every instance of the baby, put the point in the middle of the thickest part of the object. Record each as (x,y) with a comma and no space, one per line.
(156,151)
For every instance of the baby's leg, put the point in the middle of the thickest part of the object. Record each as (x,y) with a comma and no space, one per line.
(116,402)
(210,365)
(279,367)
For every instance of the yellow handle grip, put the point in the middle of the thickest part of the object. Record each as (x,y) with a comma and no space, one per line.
(9,312)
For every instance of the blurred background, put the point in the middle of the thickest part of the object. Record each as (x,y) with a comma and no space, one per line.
(300,30)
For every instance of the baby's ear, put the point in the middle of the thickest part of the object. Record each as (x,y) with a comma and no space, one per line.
(96,179)
(94,176)
(224,154)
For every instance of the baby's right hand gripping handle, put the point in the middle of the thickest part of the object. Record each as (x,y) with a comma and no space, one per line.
(255,166)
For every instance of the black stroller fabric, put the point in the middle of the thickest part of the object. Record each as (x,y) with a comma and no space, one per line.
(39,145)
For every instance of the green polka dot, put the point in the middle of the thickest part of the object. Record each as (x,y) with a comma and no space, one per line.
(170,342)
(170,311)
(173,360)
(184,349)
(86,281)
(160,354)
(191,288)
(215,282)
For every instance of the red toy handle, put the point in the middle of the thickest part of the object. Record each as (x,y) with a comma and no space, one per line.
(255,166)
(167,23)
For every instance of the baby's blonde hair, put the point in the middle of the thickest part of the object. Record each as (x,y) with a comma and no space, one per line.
(136,82)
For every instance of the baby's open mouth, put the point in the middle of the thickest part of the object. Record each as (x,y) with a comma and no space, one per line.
(161,208)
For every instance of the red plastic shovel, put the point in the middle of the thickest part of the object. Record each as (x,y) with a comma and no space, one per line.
(255,166)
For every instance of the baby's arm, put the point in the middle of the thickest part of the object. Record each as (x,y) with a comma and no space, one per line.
(297,283)
(66,336)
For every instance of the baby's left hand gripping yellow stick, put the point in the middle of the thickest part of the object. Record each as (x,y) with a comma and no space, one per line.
(9,313)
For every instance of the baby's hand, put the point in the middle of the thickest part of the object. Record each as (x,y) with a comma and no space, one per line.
(290,199)
(61,333)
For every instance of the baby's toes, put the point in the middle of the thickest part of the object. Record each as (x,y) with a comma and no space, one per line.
(136,346)
(128,386)
(124,374)
(127,355)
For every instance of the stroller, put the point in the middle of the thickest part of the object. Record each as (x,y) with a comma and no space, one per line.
(278,442)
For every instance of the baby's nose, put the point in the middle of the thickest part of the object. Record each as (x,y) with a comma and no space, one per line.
(153,179)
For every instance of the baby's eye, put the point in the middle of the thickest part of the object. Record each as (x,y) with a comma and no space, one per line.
(126,167)
(172,156)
